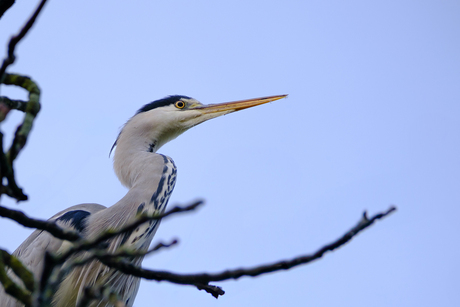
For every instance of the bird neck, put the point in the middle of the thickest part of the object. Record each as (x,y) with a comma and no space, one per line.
(134,160)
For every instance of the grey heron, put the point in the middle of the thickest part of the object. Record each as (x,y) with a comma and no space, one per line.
(150,178)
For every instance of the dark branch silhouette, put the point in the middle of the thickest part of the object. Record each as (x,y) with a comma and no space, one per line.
(53,273)
(52,262)
(49,226)
(31,108)
(12,104)
(108,234)
(70,235)
(201,280)
(4,6)
(10,58)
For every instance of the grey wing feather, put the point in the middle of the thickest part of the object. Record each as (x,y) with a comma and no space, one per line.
(32,251)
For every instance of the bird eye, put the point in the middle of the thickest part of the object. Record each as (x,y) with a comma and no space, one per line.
(180,104)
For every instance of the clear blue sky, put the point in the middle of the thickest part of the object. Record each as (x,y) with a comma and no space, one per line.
(372,120)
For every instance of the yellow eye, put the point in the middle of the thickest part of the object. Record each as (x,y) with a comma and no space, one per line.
(180,104)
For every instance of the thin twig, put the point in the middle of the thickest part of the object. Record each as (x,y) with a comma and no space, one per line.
(54,279)
(49,226)
(203,279)
(4,6)
(215,291)
(7,171)
(89,244)
(100,253)
(10,58)
(14,104)
(51,278)
(136,253)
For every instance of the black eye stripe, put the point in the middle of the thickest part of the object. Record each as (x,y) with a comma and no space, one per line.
(170,100)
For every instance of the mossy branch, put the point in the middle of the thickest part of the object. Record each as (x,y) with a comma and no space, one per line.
(31,109)
(12,288)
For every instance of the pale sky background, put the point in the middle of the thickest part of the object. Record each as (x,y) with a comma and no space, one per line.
(372,120)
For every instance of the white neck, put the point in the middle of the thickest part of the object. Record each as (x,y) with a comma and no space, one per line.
(134,157)
(138,142)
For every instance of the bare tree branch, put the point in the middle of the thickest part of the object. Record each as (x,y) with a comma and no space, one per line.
(51,278)
(82,245)
(108,234)
(14,104)
(31,109)
(49,226)
(11,287)
(136,253)
(95,254)
(56,277)
(7,104)
(10,58)
(19,269)
(52,261)
(4,6)
(70,235)
(215,291)
(7,171)
(203,279)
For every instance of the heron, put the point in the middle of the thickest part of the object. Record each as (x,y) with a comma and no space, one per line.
(150,178)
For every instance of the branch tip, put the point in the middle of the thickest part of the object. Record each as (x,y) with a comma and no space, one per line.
(215,291)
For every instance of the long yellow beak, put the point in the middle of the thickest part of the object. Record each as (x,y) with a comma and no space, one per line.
(228,107)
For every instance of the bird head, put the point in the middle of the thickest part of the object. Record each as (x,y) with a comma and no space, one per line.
(162,120)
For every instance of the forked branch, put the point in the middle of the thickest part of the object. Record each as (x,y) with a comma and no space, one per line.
(201,281)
